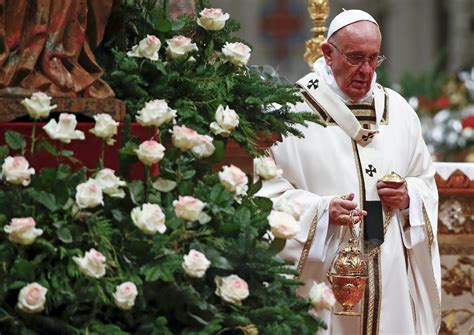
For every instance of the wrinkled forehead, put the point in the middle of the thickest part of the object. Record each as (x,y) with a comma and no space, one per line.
(360,32)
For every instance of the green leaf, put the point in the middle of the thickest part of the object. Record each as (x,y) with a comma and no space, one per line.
(4,152)
(67,153)
(48,147)
(24,270)
(137,192)
(15,140)
(177,24)
(163,25)
(218,154)
(221,263)
(64,235)
(46,199)
(264,203)
(254,188)
(117,215)
(16,285)
(242,216)
(188,174)
(277,245)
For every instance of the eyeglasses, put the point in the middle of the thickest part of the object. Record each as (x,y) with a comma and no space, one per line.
(358,60)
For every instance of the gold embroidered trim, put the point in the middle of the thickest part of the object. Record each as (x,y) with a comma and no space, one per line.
(370,310)
(307,245)
(428,227)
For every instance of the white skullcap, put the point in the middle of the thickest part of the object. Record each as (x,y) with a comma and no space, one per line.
(348,17)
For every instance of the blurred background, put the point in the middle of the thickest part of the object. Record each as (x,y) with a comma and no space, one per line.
(429,46)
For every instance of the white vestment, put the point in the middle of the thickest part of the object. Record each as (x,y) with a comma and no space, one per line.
(403,291)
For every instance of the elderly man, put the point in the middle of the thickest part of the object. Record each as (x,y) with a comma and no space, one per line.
(334,173)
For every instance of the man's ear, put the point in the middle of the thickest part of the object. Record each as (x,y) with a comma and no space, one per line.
(327,53)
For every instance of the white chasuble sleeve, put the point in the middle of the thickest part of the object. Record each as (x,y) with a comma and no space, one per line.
(424,269)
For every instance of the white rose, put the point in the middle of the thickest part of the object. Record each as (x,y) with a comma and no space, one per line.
(63,131)
(146,48)
(237,53)
(110,183)
(38,106)
(321,296)
(226,121)
(266,168)
(184,138)
(179,46)
(92,264)
(149,219)
(283,225)
(155,113)
(204,147)
(89,194)
(23,230)
(293,208)
(195,264)
(150,152)
(105,127)
(233,179)
(125,295)
(212,19)
(232,289)
(32,298)
(16,170)
(188,208)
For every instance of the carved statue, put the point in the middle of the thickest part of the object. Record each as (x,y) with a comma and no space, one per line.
(46,45)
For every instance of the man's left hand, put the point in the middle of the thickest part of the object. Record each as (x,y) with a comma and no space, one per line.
(395,196)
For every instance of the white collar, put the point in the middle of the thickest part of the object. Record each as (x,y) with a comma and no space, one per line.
(325,72)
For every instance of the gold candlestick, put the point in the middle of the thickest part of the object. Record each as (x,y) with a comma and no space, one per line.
(318,11)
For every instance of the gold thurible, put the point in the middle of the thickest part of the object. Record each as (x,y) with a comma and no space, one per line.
(318,11)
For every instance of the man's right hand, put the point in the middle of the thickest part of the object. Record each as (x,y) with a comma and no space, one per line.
(340,210)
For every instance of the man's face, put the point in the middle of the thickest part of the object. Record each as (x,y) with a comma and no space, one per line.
(360,39)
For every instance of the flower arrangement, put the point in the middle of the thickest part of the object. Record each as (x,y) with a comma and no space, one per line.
(446,106)
(186,250)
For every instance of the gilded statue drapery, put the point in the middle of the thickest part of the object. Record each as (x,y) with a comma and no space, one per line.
(46,45)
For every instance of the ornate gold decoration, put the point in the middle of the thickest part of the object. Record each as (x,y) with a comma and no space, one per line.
(349,277)
(318,11)
(458,279)
(393,178)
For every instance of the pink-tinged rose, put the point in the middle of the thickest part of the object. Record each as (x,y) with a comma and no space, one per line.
(146,48)
(266,168)
(155,113)
(184,138)
(125,295)
(149,218)
(195,264)
(23,230)
(237,53)
(89,194)
(32,298)
(226,121)
(291,207)
(65,129)
(212,19)
(150,152)
(92,264)
(233,179)
(188,208)
(179,46)
(38,106)
(110,183)
(232,289)
(283,225)
(321,296)
(16,170)
(204,147)
(105,127)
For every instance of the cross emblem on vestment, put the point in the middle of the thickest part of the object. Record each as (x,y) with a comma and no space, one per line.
(366,137)
(371,170)
(313,83)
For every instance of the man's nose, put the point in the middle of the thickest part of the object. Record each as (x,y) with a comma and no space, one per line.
(365,68)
